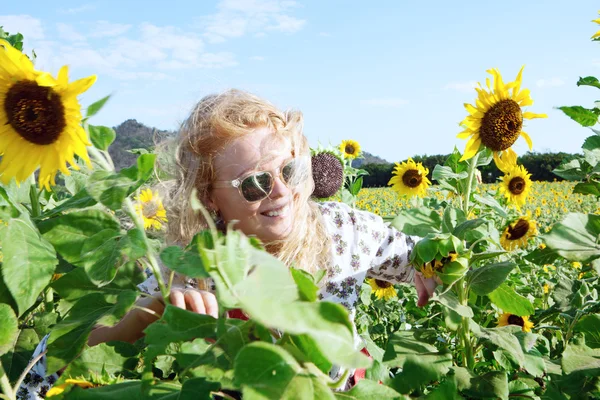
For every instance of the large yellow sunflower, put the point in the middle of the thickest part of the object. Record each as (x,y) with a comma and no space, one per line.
(382,289)
(516,185)
(350,149)
(410,179)
(40,119)
(511,319)
(597,34)
(151,209)
(496,119)
(517,234)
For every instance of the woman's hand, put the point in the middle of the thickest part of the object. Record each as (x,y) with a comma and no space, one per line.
(425,288)
(148,309)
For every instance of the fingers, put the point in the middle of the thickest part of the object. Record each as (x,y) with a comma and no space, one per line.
(198,301)
(425,289)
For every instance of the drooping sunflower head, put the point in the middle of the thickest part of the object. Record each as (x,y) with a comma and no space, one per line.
(516,185)
(410,179)
(511,319)
(517,233)
(430,269)
(350,149)
(597,34)
(58,389)
(40,120)
(382,289)
(328,173)
(496,119)
(150,207)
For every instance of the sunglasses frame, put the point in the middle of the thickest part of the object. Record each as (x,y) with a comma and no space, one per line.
(237,183)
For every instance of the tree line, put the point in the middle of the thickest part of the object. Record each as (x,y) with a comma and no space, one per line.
(539,165)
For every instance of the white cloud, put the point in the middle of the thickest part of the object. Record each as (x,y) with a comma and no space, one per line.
(29,26)
(466,87)
(108,29)
(388,102)
(236,18)
(77,10)
(552,82)
(67,32)
(257,58)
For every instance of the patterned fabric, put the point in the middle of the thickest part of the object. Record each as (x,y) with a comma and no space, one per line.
(362,246)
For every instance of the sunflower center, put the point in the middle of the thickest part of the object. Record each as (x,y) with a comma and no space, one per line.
(501,125)
(35,112)
(150,209)
(516,320)
(382,284)
(412,178)
(519,230)
(516,185)
(349,149)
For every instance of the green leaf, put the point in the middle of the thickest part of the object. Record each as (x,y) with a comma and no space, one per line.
(94,361)
(368,390)
(465,227)
(186,262)
(418,221)
(101,136)
(308,352)
(492,203)
(570,170)
(307,290)
(447,390)
(542,256)
(578,357)
(17,358)
(110,189)
(588,81)
(476,257)
(589,325)
(403,344)
(266,371)
(493,385)
(583,116)
(451,218)
(576,237)
(81,200)
(356,186)
(420,369)
(486,279)
(69,336)
(9,330)
(96,106)
(592,188)
(198,389)
(445,172)
(101,256)
(450,301)
(29,261)
(131,390)
(510,301)
(68,233)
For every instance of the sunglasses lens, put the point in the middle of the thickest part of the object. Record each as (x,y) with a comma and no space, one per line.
(257,187)
(287,172)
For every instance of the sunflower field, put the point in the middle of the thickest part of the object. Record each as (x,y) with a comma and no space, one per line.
(516,313)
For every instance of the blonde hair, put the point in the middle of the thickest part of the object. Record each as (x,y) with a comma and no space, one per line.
(215,122)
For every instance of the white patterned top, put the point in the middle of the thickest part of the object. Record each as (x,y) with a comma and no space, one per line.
(362,246)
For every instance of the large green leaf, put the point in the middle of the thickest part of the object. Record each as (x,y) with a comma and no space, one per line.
(368,390)
(69,336)
(109,188)
(131,390)
(492,203)
(578,357)
(570,170)
(9,330)
(80,200)
(588,81)
(450,301)
(576,237)
(462,230)
(510,301)
(592,188)
(445,172)
(304,348)
(68,233)
(101,256)
(29,261)
(583,116)
(420,369)
(95,360)
(101,136)
(17,358)
(418,221)
(486,279)
(186,262)
(266,371)
(491,385)
(307,289)
(589,325)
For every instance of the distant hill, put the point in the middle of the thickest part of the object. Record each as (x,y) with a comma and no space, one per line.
(368,158)
(132,134)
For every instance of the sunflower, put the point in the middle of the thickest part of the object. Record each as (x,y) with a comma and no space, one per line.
(327,172)
(410,179)
(496,119)
(350,149)
(597,34)
(40,120)
(511,319)
(518,233)
(382,289)
(58,389)
(151,209)
(516,185)
(429,269)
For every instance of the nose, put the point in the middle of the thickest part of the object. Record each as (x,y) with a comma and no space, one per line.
(280,189)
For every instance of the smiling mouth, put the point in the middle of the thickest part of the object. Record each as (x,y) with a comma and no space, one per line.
(279,212)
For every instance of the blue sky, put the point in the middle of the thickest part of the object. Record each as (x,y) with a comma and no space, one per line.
(391,74)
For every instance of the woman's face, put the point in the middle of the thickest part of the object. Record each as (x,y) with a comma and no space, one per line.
(270,218)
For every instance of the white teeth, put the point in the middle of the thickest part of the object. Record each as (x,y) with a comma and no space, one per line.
(276,213)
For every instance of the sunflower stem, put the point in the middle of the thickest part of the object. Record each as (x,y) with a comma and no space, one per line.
(36,210)
(100,158)
(472,168)
(5,384)
(150,255)
(464,330)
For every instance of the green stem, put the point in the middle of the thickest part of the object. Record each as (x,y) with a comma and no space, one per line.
(472,168)
(100,158)
(5,384)
(464,331)
(36,210)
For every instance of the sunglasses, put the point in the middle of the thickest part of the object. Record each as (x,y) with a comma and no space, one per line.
(258,185)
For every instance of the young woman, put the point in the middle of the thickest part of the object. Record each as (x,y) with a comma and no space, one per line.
(250,162)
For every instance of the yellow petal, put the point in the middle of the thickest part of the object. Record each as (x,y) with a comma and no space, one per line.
(465,134)
(597,34)
(527,139)
(472,148)
(63,76)
(79,86)
(530,115)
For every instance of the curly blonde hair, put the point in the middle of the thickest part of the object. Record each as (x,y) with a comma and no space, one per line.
(215,122)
